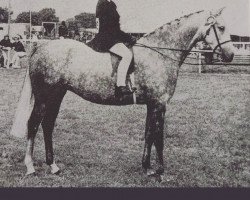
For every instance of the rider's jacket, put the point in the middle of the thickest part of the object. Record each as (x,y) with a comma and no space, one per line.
(109,27)
(63,31)
(5,43)
(18,46)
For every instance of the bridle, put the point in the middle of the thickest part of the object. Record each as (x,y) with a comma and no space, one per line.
(219,45)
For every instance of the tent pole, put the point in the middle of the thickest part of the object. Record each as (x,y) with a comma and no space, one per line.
(30,28)
(9,18)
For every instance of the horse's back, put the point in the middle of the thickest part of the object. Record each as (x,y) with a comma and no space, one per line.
(74,56)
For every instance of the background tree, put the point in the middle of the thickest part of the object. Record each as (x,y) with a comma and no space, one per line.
(3,15)
(44,15)
(86,20)
(24,17)
(48,15)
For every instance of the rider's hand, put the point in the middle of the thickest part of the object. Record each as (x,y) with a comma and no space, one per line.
(134,40)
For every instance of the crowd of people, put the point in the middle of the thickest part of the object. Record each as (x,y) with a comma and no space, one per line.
(12,49)
(6,46)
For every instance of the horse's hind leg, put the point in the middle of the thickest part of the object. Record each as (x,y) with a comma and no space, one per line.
(52,109)
(33,124)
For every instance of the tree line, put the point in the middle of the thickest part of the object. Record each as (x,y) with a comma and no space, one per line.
(86,20)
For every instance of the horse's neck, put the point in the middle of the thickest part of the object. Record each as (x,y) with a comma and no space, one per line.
(177,34)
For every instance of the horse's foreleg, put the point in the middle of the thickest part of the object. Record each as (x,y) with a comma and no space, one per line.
(159,140)
(52,110)
(33,124)
(149,139)
(154,135)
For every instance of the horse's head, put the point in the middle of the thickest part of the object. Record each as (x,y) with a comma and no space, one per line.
(215,33)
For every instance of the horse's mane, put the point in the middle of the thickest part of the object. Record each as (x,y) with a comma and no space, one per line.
(171,22)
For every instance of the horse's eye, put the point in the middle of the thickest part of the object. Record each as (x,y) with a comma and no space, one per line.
(221,28)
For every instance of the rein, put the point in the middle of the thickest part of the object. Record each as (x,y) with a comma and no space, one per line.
(173,49)
(157,49)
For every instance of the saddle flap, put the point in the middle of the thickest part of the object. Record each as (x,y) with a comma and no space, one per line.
(115,61)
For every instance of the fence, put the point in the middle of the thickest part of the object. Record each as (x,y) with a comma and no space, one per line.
(241,58)
(242,45)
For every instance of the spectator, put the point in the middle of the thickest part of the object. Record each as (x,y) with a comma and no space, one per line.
(77,34)
(63,30)
(5,46)
(19,52)
(1,59)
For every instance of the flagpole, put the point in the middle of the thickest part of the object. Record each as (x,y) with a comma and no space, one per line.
(30,28)
(9,18)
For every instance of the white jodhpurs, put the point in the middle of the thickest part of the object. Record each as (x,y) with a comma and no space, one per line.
(16,59)
(5,58)
(121,50)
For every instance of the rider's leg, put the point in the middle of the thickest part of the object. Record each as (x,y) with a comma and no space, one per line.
(5,58)
(121,50)
(14,59)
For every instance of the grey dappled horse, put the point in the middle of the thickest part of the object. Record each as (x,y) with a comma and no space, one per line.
(61,65)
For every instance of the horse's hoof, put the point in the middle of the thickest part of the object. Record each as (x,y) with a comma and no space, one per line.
(58,172)
(30,173)
(151,172)
(159,178)
(54,169)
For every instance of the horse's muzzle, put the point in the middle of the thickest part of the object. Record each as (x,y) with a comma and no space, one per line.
(227,53)
(228,58)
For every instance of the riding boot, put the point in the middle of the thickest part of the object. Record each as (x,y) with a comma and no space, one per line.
(121,91)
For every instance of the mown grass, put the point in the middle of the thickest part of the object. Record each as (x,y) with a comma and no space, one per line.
(206,144)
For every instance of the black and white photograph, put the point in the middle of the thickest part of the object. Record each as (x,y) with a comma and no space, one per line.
(124,94)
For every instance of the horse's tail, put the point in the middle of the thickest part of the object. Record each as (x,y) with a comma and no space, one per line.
(24,109)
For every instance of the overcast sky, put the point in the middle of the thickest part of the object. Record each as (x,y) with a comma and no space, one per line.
(145,15)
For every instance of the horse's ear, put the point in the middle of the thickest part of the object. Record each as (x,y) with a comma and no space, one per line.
(219,12)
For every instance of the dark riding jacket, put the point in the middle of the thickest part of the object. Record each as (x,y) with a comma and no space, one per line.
(18,46)
(63,31)
(5,43)
(109,27)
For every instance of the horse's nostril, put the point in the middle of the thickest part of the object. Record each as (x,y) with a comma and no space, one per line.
(228,58)
(232,56)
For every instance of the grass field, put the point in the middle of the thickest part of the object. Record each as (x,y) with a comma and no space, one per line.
(207,140)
